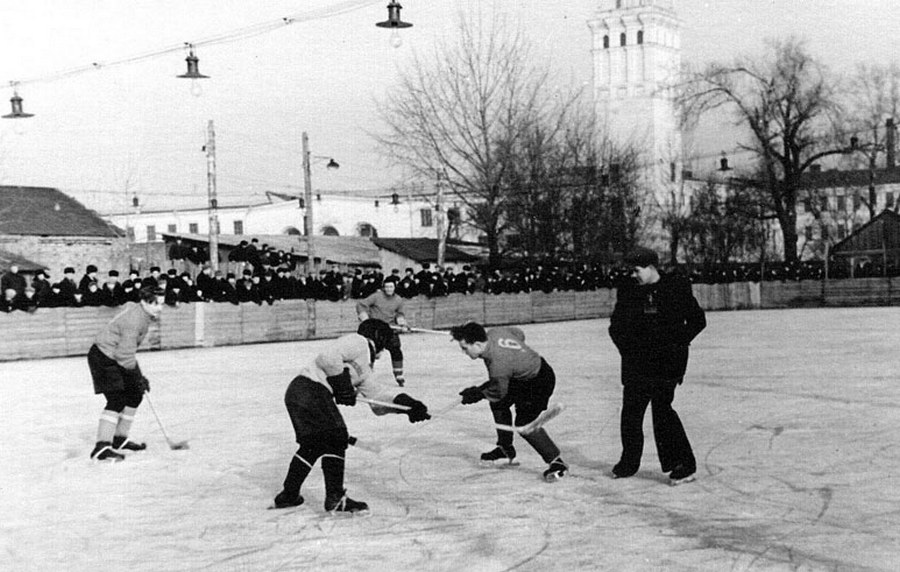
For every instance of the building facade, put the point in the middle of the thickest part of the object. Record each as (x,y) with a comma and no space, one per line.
(333,215)
(636,47)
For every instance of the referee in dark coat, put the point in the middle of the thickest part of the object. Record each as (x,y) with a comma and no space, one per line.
(654,321)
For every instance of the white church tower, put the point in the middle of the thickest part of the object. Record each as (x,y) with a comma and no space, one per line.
(637,59)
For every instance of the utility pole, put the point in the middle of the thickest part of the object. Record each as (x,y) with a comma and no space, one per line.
(213,202)
(442,235)
(308,214)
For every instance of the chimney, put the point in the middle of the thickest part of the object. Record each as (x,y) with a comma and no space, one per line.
(889,143)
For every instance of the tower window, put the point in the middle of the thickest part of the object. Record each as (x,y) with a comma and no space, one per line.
(605,42)
(622,39)
(640,38)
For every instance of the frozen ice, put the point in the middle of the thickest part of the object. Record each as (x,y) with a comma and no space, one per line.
(794,416)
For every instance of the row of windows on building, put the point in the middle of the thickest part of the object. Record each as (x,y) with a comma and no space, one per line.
(364,229)
(826,230)
(843,202)
(623,39)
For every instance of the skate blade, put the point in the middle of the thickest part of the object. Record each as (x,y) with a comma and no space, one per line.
(498,465)
(553,477)
(684,481)
(349,514)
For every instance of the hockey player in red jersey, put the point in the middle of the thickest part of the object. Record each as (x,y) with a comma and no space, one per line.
(335,376)
(518,376)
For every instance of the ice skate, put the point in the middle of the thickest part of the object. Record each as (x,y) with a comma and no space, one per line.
(345,505)
(498,454)
(287,500)
(103,451)
(682,474)
(120,443)
(557,470)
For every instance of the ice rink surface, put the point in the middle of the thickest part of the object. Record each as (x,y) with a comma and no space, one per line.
(794,416)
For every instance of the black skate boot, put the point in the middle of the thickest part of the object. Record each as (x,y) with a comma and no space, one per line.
(123,444)
(103,451)
(501,452)
(344,504)
(682,474)
(285,499)
(557,470)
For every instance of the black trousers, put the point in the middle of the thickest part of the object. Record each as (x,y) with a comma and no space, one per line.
(672,443)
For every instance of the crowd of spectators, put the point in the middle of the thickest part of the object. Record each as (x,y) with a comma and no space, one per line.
(267,280)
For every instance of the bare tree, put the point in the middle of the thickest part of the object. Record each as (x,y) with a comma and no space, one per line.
(725,223)
(789,105)
(874,99)
(462,115)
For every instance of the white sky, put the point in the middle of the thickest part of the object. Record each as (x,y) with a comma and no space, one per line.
(106,134)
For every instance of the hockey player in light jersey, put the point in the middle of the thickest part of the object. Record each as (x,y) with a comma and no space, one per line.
(335,376)
(386,305)
(518,376)
(116,374)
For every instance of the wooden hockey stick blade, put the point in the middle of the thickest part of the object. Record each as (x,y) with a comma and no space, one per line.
(547,415)
(383,403)
(422,330)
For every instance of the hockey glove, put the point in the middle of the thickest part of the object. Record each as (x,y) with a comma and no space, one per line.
(471,395)
(417,410)
(344,393)
(143,384)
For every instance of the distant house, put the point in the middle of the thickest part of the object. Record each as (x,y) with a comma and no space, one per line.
(876,244)
(52,230)
(404,253)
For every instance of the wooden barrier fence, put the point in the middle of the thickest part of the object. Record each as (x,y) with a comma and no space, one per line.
(54,332)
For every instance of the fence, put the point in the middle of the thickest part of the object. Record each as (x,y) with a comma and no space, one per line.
(53,332)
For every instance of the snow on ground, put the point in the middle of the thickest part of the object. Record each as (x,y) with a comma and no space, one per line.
(794,416)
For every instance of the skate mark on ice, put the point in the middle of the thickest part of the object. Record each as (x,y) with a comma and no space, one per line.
(776,431)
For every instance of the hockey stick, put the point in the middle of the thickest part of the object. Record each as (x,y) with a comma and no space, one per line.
(546,415)
(421,330)
(172,445)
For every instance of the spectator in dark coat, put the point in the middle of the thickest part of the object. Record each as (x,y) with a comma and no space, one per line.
(654,321)
(12,279)
(41,285)
(90,275)
(67,287)
(111,294)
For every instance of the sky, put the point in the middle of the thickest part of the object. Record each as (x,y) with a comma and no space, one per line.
(127,126)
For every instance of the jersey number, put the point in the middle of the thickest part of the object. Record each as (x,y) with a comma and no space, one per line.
(509,344)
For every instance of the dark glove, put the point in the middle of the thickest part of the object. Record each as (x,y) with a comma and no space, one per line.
(417,410)
(344,394)
(143,384)
(471,395)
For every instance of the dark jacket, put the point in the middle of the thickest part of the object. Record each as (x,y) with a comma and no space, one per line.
(652,327)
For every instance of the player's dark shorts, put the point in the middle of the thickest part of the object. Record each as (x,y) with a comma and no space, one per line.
(118,384)
(312,409)
(530,396)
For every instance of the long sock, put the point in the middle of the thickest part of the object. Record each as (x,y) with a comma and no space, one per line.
(503,417)
(126,418)
(543,444)
(109,420)
(297,473)
(333,471)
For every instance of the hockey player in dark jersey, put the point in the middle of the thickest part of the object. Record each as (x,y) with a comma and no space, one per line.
(335,376)
(518,376)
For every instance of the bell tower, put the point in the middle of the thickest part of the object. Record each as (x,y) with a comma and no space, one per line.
(637,58)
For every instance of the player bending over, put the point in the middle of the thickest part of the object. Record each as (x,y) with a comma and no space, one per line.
(519,377)
(116,374)
(335,376)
